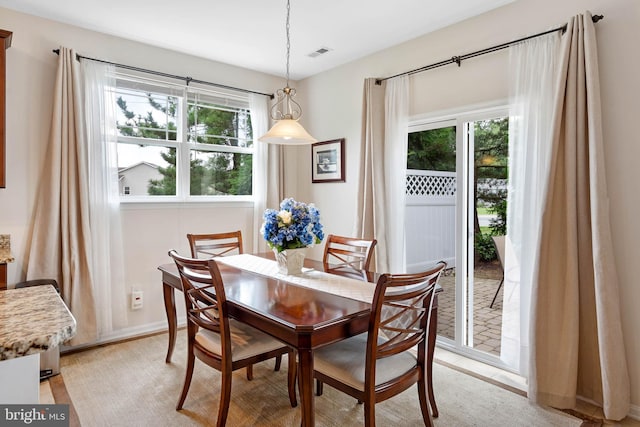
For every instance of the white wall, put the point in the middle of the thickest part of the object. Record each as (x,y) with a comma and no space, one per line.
(334,111)
(150,231)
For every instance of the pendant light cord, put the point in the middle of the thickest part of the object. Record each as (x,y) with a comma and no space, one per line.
(288,38)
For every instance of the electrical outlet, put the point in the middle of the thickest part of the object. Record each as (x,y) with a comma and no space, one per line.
(136,299)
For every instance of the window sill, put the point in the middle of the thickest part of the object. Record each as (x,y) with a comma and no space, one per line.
(173,204)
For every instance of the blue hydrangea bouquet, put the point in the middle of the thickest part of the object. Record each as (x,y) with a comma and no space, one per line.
(296,225)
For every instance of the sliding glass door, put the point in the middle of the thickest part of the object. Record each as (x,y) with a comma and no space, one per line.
(456,212)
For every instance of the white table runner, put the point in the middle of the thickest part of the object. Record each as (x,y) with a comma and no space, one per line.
(310,278)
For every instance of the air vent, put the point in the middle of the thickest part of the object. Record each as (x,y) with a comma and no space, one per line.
(319,52)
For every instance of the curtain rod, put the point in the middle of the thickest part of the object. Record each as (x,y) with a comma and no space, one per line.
(458,59)
(172,76)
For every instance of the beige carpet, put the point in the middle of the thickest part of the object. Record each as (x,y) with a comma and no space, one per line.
(129,384)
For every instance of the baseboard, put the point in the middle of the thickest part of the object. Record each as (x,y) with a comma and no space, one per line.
(123,335)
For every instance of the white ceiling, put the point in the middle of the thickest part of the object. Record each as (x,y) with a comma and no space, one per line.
(251,33)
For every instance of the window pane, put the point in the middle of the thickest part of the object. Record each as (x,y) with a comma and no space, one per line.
(214,124)
(490,171)
(433,149)
(146,115)
(431,213)
(215,174)
(146,170)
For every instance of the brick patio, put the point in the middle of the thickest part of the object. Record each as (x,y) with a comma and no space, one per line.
(487,321)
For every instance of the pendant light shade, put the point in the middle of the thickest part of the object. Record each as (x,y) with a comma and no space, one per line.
(286,111)
(287,132)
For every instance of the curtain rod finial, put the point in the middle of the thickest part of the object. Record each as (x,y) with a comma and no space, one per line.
(596,18)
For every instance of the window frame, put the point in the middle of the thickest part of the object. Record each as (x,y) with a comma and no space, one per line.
(185,95)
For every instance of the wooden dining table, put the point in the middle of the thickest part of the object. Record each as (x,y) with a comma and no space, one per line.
(301,317)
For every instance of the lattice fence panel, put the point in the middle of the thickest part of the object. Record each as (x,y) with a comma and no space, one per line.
(430,184)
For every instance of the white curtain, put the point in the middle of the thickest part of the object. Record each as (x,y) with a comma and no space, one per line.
(395,168)
(577,347)
(61,241)
(267,176)
(104,202)
(77,235)
(381,192)
(533,70)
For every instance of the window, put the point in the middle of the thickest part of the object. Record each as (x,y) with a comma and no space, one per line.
(182,144)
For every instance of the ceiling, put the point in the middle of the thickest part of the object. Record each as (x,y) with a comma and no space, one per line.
(251,33)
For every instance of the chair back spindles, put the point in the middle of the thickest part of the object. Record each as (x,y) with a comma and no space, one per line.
(347,253)
(203,291)
(206,246)
(401,309)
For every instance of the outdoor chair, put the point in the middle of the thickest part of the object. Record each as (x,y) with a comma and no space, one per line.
(498,243)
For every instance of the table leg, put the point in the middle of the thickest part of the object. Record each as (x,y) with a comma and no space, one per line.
(305,383)
(3,276)
(170,309)
(431,347)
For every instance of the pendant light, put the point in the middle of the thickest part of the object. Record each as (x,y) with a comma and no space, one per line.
(286,111)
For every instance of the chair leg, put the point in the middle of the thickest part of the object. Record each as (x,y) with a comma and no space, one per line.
(278,363)
(369,414)
(191,358)
(225,399)
(291,377)
(496,294)
(432,397)
(249,372)
(424,404)
(319,388)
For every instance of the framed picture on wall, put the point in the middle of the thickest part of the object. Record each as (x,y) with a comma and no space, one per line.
(327,161)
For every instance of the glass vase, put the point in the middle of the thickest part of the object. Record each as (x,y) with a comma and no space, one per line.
(290,261)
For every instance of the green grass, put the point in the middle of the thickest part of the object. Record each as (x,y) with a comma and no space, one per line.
(483,211)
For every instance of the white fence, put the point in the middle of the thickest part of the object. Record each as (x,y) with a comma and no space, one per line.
(430,219)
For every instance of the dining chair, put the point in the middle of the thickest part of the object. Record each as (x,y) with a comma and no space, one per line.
(348,253)
(347,256)
(217,340)
(379,364)
(498,243)
(212,245)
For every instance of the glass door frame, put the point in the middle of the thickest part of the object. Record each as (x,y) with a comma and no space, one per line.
(463,120)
